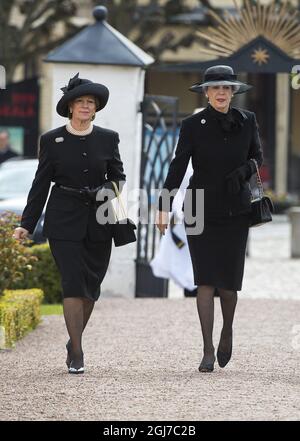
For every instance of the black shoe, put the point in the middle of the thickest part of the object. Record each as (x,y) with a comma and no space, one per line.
(206,366)
(77,364)
(224,357)
(68,347)
(76,370)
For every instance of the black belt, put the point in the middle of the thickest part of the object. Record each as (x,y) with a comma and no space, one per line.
(90,192)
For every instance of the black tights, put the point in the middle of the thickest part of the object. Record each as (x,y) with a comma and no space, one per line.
(77,311)
(205,306)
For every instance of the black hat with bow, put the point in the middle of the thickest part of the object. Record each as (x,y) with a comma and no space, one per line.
(221,75)
(78,87)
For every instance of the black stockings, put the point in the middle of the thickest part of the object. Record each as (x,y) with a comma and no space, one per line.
(77,311)
(205,306)
(228,301)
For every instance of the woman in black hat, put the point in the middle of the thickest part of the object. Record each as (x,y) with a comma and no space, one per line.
(82,160)
(223,142)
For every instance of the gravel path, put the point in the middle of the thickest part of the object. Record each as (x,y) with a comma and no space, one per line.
(141,359)
(142,355)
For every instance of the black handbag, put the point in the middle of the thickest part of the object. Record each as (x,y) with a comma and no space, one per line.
(261,206)
(122,230)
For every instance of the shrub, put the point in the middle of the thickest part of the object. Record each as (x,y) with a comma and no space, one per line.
(19,314)
(15,262)
(44,274)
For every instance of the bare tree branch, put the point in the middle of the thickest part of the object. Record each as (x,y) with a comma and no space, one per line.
(24,44)
(136,21)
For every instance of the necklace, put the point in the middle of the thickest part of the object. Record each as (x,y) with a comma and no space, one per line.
(73,131)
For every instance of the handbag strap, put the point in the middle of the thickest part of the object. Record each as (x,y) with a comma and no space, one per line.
(258,180)
(119,199)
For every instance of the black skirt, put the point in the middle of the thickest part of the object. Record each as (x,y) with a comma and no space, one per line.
(82,266)
(218,254)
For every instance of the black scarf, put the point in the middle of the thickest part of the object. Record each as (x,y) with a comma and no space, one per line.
(232,121)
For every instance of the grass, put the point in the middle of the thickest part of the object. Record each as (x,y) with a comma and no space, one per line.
(55,309)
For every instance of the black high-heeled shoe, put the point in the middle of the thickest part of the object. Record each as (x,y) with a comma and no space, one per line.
(77,365)
(206,366)
(76,370)
(224,357)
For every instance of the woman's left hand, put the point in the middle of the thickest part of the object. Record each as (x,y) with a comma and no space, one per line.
(20,233)
(162,221)
(235,179)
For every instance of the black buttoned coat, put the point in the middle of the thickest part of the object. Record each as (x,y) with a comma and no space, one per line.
(72,161)
(215,153)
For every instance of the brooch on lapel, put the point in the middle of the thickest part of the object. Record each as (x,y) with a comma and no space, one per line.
(60,139)
(203,121)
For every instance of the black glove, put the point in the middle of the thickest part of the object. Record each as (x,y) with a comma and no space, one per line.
(237,177)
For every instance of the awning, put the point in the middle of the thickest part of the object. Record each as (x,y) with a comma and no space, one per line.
(258,56)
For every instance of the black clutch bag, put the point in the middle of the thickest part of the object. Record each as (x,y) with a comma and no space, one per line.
(122,230)
(261,206)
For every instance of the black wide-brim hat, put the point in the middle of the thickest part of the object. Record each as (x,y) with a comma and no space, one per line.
(79,87)
(221,75)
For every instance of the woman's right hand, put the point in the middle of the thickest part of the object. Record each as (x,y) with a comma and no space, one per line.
(162,220)
(20,233)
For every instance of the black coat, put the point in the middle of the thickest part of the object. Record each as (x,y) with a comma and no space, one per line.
(215,153)
(72,161)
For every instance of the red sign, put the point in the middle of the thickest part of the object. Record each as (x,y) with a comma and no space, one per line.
(22,105)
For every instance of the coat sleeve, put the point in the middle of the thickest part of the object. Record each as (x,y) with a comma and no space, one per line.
(39,189)
(177,170)
(115,170)
(255,151)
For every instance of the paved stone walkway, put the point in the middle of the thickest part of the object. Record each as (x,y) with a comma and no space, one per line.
(142,355)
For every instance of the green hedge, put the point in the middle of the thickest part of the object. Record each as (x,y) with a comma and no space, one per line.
(44,274)
(15,261)
(19,314)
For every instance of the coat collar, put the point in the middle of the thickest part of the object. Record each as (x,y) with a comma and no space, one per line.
(205,112)
(230,122)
